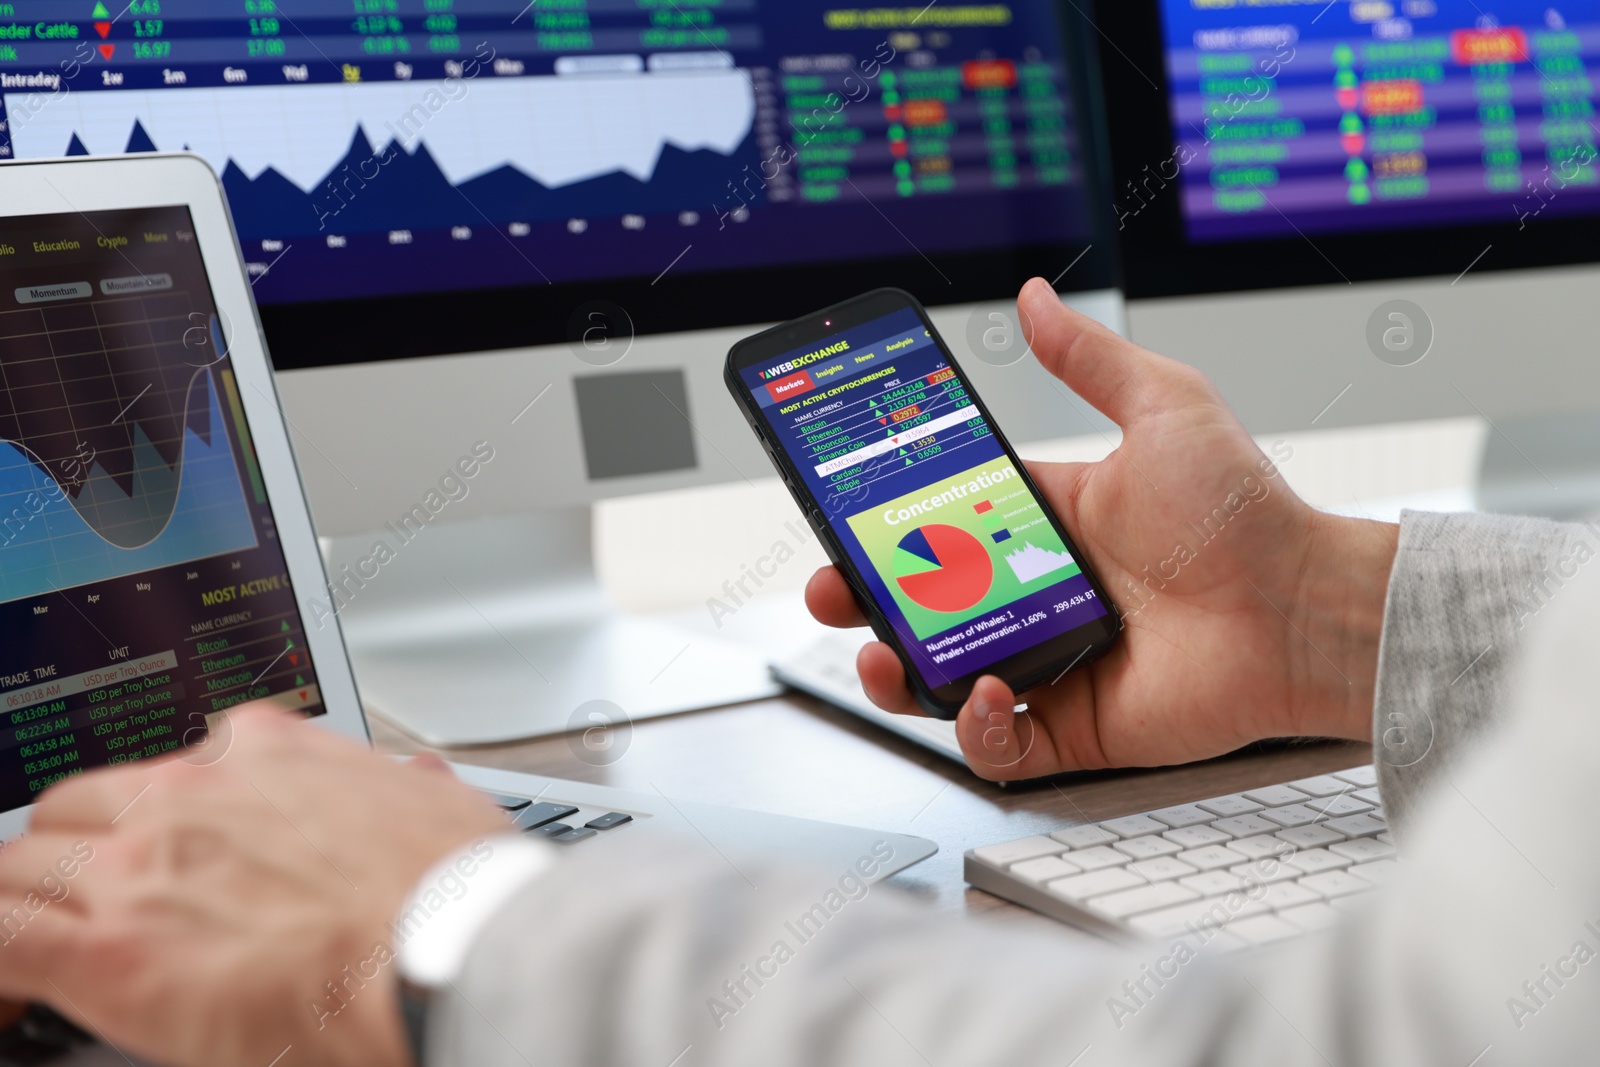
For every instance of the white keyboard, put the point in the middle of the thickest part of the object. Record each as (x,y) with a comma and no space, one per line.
(1235,871)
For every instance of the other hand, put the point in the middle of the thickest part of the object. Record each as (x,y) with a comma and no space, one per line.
(201,915)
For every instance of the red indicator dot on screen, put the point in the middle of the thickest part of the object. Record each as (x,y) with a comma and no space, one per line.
(898,148)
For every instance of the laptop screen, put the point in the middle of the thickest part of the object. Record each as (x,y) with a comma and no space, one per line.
(143,591)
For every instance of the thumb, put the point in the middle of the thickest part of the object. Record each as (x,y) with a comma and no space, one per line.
(987,730)
(1121,380)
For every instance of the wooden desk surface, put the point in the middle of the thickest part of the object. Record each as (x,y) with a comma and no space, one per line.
(798,756)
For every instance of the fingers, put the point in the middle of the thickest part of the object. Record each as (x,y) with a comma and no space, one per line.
(36,947)
(38,950)
(1000,743)
(432,763)
(41,909)
(254,731)
(262,719)
(883,677)
(987,730)
(90,801)
(1115,375)
(44,865)
(830,601)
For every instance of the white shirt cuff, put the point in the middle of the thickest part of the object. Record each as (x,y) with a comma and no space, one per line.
(455,900)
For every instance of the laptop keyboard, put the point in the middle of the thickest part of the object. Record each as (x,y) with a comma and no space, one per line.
(1241,870)
(553,820)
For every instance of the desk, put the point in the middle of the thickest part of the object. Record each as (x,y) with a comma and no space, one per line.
(798,756)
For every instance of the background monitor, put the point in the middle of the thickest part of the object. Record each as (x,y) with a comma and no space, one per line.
(451,176)
(480,224)
(1321,204)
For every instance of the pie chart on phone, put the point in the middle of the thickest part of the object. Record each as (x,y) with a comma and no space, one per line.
(943,568)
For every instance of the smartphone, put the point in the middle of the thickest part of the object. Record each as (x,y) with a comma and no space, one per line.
(918,499)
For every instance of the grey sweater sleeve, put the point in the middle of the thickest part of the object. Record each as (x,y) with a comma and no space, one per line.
(1463,591)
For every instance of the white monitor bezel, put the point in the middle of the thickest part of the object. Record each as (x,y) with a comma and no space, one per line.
(90,184)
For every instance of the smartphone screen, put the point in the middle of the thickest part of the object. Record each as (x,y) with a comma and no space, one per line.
(941,524)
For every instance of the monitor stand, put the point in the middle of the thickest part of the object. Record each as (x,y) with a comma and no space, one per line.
(497,630)
(1548,466)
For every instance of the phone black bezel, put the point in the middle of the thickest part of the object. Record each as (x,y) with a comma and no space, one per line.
(1022,671)
(1160,261)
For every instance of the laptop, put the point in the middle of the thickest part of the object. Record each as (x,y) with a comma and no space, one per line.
(158,563)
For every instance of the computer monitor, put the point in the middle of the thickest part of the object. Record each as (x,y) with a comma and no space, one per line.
(1367,210)
(518,240)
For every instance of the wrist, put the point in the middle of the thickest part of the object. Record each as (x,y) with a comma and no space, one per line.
(1339,610)
(445,913)
(455,899)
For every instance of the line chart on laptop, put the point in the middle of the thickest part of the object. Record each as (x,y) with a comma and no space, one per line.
(114,453)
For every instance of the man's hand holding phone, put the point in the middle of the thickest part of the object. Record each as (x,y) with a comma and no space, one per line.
(1248,614)
(920,501)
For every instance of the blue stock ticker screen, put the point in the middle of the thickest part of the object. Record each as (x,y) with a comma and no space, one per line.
(383,147)
(1363,115)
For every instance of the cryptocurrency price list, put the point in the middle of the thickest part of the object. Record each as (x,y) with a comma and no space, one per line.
(146,706)
(874,413)
(887,433)
(55,723)
(1453,122)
